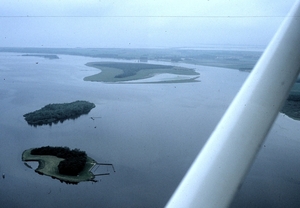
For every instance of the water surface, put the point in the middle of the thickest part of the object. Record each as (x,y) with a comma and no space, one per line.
(150,132)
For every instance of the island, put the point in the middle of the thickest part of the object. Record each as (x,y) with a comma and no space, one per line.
(62,163)
(54,113)
(121,72)
(46,56)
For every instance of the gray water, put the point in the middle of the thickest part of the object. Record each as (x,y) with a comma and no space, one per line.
(150,132)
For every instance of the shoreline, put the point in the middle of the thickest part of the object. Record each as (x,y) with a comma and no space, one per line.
(118,72)
(48,166)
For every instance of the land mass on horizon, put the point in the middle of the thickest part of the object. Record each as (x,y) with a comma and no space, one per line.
(47,56)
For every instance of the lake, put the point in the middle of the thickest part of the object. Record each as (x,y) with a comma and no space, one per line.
(151,133)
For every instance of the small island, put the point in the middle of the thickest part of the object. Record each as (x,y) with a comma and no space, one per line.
(62,163)
(46,56)
(53,113)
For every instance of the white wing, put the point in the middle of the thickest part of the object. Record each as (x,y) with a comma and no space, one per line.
(221,166)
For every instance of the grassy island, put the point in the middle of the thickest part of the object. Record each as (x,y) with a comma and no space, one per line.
(120,72)
(69,166)
(53,113)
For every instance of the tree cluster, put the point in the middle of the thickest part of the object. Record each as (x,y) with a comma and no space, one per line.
(53,113)
(74,159)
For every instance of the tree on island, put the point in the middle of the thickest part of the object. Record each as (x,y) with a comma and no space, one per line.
(74,159)
(53,113)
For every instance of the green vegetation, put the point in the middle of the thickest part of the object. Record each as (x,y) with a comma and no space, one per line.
(130,69)
(74,159)
(119,71)
(47,56)
(53,113)
(69,166)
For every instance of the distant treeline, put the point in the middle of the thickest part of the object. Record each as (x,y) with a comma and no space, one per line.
(50,56)
(74,162)
(212,56)
(53,113)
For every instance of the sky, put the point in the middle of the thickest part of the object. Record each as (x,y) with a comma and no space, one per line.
(140,23)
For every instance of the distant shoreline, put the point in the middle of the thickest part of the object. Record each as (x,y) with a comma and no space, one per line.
(47,56)
(242,59)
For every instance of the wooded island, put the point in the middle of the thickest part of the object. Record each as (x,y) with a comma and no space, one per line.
(54,113)
(69,166)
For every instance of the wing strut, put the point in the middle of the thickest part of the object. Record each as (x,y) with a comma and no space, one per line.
(219,169)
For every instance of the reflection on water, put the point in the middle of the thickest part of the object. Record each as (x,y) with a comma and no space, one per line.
(27,165)
(150,132)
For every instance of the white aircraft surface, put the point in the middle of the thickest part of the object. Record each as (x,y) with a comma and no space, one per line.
(221,166)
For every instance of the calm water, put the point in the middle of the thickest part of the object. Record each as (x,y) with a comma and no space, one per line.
(150,132)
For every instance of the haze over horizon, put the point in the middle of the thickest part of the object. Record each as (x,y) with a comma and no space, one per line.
(140,24)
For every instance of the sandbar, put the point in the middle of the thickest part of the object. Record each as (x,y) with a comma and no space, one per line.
(116,72)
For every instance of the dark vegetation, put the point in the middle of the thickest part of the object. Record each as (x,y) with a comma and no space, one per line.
(292,106)
(53,113)
(130,69)
(47,56)
(74,159)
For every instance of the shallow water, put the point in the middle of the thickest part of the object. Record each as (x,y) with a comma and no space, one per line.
(150,132)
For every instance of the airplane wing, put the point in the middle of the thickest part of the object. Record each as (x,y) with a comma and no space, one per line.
(221,166)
